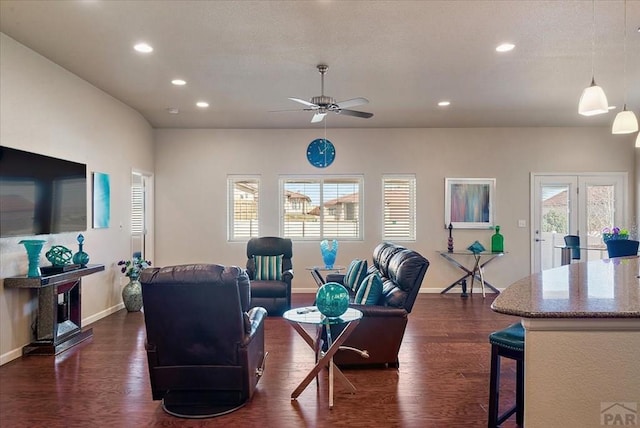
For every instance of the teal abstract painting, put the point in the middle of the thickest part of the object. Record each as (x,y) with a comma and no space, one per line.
(101,200)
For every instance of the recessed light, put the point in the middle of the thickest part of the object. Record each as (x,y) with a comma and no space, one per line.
(202,104)
(173,110)
(444,103)
(179,82)
(505,47)
(143,47)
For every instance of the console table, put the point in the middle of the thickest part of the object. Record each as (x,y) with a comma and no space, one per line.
(475,272)
(58,318)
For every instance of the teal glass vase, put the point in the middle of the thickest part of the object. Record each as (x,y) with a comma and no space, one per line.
(332,299)
(329,252)
(34,248)
(497,241)
(81,258)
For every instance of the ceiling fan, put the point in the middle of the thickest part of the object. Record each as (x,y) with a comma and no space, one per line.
(323,104)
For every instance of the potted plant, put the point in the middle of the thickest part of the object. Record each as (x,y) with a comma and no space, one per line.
(614,233)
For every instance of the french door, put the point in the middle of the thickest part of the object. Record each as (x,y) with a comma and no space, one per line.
(574,204)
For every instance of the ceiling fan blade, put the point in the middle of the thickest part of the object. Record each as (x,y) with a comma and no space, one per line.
(307,103)
(355,113)
(353,102)
(318,117)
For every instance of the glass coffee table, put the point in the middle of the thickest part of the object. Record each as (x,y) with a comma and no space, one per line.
(310,315)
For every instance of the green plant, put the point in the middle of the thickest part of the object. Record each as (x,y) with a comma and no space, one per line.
(133,267)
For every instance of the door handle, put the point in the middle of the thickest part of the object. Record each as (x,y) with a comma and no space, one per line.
(539,240)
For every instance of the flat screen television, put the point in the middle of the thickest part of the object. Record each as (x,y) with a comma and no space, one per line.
(41,194)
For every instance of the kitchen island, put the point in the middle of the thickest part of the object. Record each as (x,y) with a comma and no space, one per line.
(582,343)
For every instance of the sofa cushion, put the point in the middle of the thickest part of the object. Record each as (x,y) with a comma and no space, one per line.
(369,291)
(355,274)
(268,268)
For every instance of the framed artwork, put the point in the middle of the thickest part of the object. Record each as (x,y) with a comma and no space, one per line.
(469,202)
(101,200)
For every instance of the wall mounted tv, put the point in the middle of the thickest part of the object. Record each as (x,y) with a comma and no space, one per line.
(41,194)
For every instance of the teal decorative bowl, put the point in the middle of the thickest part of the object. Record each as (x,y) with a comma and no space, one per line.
(332,299)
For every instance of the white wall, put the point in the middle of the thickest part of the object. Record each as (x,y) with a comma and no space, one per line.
(192,166)
(45,109)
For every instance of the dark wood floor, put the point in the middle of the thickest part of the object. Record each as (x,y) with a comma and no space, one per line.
(442,380)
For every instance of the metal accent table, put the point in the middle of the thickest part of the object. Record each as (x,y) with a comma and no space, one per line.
(59,317)
(475,272)
(317,276)
(310,315)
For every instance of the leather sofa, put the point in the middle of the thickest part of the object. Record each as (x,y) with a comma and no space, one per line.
(205,347)
(382,327)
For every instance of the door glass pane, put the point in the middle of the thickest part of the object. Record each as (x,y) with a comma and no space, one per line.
(554,223)
(600,211)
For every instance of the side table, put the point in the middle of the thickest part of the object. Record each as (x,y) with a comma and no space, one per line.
(311,315)
(475,272)
(317,276)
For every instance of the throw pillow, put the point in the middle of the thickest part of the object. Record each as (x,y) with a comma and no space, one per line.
(268,268)
(356,272)
(369,291)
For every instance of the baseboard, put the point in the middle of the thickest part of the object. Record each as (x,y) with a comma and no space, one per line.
(17,353)
(423,290)
(102,314)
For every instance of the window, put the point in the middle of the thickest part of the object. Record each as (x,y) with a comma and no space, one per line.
(243,207)
(399,201)
(318,208)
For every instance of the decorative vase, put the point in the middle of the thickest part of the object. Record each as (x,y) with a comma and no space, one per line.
(132,295)
(332,299)
(33,247)
(329,252)
(81,258)
(497,241)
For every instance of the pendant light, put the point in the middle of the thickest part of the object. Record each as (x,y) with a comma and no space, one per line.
(593,100)
(625,121)
(638,140)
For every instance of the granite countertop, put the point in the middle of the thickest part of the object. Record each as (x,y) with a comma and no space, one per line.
(598,289)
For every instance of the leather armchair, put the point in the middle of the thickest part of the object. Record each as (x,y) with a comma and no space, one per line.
(205,348)
(274,296)
(382,327)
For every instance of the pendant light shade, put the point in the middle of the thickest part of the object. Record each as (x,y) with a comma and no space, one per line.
(593,101)
(625,122)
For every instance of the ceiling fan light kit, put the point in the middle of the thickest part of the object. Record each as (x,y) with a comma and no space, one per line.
(323,104)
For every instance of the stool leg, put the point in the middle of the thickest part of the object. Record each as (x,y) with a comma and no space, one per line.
(520,392)
(494,387)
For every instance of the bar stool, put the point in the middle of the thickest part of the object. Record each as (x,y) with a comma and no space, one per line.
(507,343)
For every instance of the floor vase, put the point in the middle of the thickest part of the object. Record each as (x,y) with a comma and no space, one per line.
(132,295)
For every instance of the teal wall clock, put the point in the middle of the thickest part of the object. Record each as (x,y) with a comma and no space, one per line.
(321,153)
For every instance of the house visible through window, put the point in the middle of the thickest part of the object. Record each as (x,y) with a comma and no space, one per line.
(243,207)
(399,201)
(315,208)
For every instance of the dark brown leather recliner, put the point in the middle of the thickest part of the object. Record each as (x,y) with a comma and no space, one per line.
(205,348)
(382,327)
(274,296)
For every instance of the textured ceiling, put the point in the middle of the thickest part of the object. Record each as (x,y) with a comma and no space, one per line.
(246,57)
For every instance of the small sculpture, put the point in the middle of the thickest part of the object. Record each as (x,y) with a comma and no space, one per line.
(332,299)
(59,255)
(450,240)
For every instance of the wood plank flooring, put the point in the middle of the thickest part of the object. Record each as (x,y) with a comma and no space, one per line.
(442,380)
